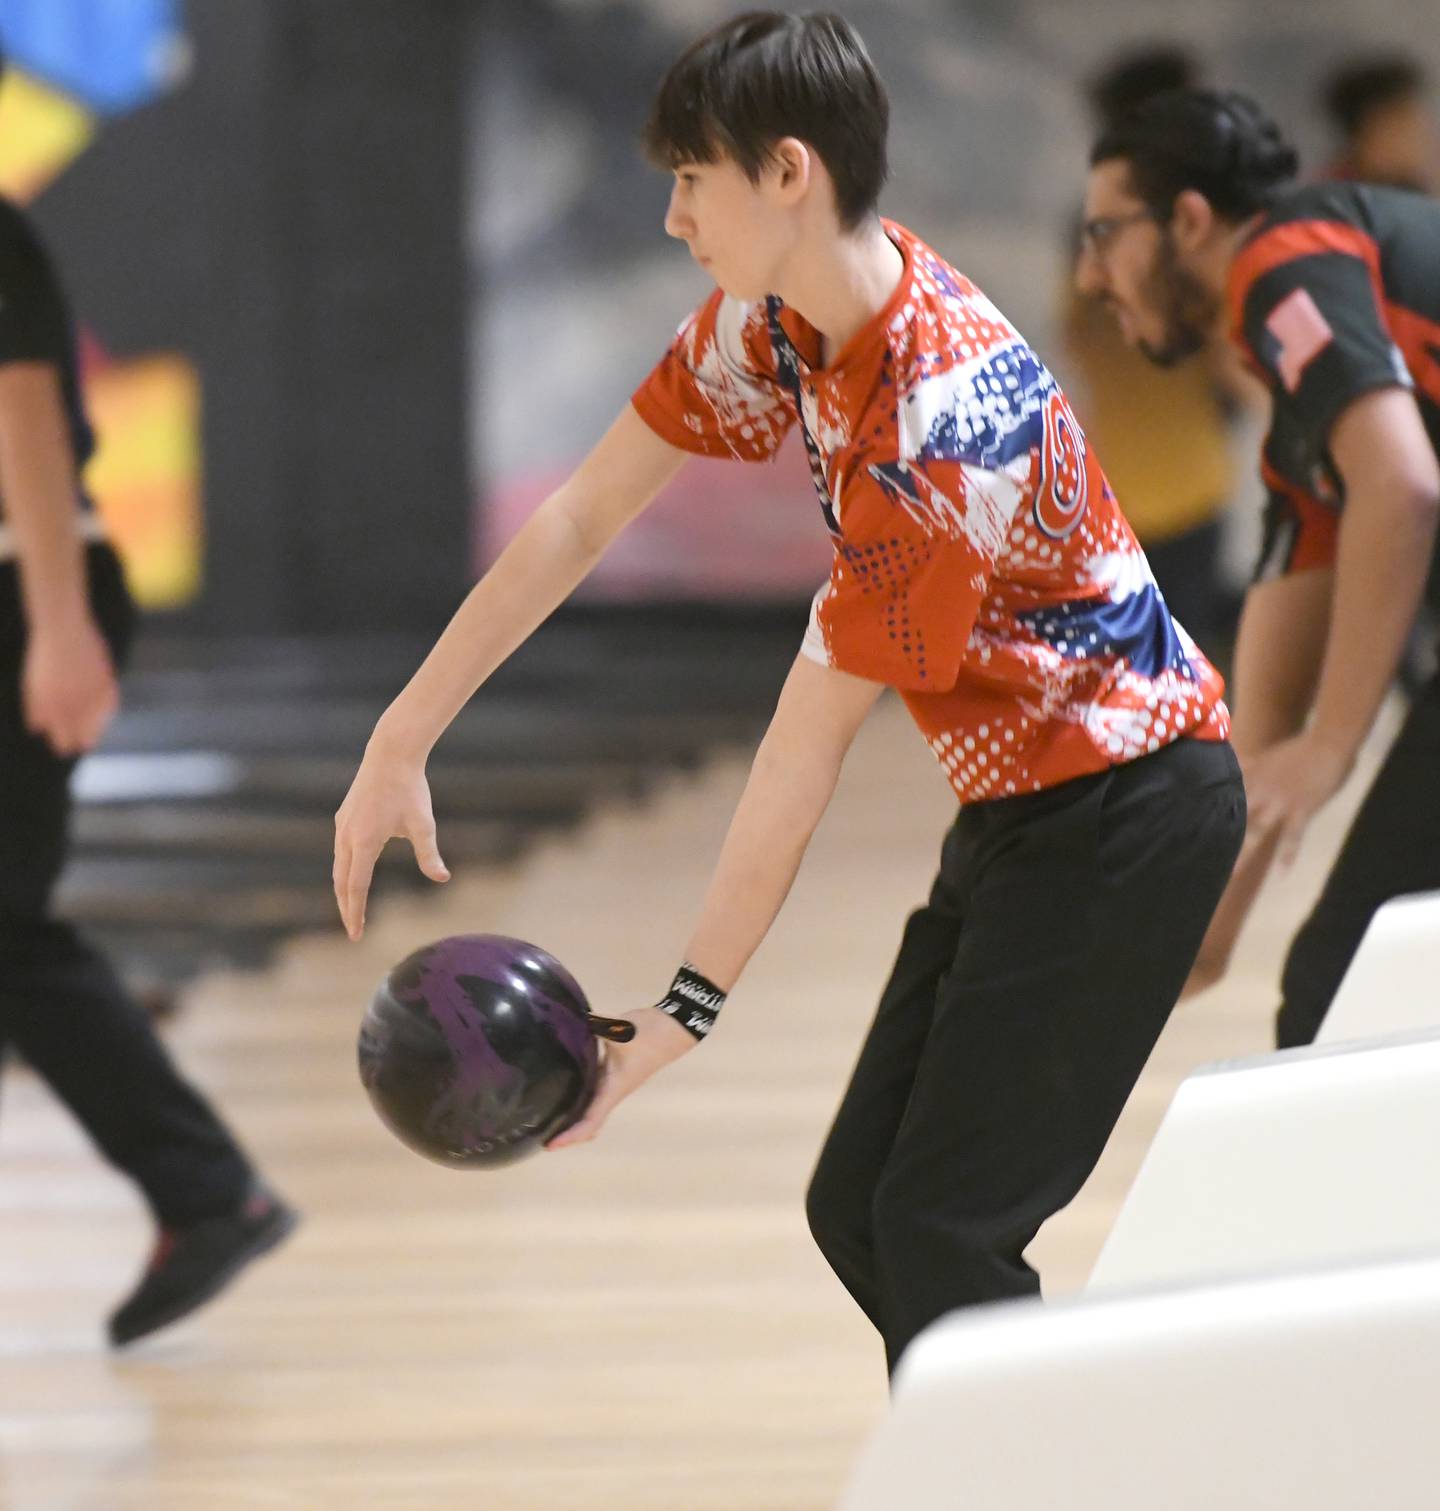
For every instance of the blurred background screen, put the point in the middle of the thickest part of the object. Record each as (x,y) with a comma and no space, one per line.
(359,284)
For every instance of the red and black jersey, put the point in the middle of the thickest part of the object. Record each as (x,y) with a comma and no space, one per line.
(1336,293)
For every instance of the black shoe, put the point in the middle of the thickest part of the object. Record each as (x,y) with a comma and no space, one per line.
(193,1264)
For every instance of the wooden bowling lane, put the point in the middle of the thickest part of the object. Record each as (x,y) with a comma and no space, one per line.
(638,1324)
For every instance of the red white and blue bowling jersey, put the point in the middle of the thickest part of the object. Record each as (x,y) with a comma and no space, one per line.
(982,565)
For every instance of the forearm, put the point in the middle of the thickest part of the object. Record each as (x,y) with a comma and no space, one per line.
(1251,869)
(791,781)
(551,554)
(1277,660)
(1386,541)
(1278,651)
(784,800)
(51,558)
(37,482)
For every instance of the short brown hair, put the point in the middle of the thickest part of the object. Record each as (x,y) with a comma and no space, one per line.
(764,76)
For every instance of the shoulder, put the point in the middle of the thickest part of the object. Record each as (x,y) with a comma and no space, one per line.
(944,322)
(1311,266)
(969,388)
(1337,202)
(1318,220)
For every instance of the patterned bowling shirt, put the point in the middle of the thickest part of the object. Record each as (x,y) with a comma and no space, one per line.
(981,564)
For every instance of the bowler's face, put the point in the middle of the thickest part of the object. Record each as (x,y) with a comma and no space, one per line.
(1120,248)
(1167,302)
(729,224)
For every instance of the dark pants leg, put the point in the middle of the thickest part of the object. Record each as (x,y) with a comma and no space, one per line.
(61,1004)
(1393,848)
(839,1199)
(1026,998)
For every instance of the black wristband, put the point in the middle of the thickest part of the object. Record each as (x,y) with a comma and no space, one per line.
(692,1001)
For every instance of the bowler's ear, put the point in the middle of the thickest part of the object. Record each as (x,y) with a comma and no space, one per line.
(1192,220)
(793,164)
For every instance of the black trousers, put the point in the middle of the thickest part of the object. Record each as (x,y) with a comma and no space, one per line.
(1026,998)
(1393,847)
(61,1004)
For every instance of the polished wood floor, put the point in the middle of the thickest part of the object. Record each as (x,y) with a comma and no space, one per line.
(639,1324)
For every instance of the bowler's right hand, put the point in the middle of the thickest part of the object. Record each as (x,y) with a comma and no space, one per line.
(389,798)
(68,689)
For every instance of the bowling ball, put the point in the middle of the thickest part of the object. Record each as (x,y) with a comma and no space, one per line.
(478,1049)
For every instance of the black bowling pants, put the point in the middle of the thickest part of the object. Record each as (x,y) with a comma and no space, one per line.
(61,1004)
(1026,998)
(1393,848)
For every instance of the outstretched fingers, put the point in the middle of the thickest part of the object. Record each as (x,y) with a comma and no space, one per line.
(353,870)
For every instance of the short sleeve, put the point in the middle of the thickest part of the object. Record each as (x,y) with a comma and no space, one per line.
(1312,323)
(1300,532)
(32,314)
(917,550)
(716,391)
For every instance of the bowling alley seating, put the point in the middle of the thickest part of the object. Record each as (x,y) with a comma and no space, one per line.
(1258,1331)
(1323,1155)
(1313,1389)
(205,822)
(1393,984)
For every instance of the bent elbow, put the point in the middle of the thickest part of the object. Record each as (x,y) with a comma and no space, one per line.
(587,535)
(1422,516)
(1411,501)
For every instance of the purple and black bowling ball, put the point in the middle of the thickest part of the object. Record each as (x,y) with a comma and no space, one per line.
(478,1049)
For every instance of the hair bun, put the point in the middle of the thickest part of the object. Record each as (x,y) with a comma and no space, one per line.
(1259,154)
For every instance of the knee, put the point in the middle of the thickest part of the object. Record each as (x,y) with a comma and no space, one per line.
(838,1214)
(910,1211)
(898,1216)
(893,1209)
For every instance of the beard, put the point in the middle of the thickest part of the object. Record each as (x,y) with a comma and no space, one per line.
(1188,308)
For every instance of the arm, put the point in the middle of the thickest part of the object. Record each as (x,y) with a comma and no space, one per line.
(554,551)
(1332,629)
(1387,536)
(68,690)
(1277,663)
(791,782)
(548,558)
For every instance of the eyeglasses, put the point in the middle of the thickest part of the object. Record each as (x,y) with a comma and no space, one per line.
(1097,235)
